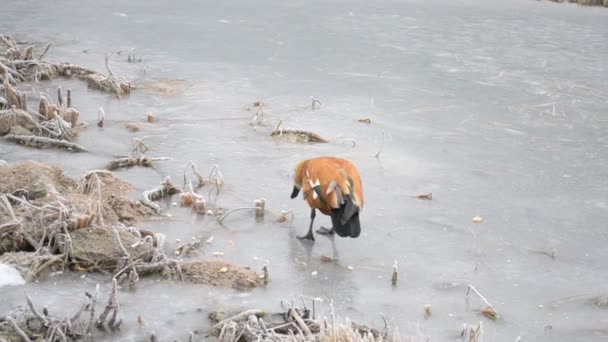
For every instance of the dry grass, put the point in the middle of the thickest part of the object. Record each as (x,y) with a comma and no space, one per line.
(586,2)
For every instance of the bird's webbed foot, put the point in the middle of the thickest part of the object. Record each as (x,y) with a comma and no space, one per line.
(308,236)
(325,231)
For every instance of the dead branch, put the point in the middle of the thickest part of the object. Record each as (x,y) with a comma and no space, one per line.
(126,162)
(298,135)
(166,188)
(42,142)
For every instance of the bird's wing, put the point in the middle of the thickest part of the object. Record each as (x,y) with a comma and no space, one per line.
(329,183)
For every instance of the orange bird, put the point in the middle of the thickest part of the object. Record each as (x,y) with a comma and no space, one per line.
(333,186)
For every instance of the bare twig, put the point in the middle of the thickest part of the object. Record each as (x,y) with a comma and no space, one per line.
(17,329)
(382,145)
(108,64)
(46,49)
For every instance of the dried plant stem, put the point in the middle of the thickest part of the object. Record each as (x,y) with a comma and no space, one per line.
(294,313)
(221,218)
(101,117)
(472,288)
(107,60)
(395,276)
(124,269)
(89,331)
(126,162)
(46,49)
(164,189)
(139,146)
(37,314)
(17,329)
(112,306)
(240,317)
(218,180)
(198,175)
(314,102)
(13,73)
(35,141)
(472,333)
(304,136)
(382,145)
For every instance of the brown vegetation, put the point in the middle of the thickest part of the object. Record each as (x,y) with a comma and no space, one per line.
(586,2)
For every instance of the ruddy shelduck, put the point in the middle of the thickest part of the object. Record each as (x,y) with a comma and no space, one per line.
(333,186)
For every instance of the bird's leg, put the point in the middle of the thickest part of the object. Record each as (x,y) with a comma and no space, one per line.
(310,235)
(325,231)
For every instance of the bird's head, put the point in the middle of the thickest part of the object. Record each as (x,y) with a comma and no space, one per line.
(297,177)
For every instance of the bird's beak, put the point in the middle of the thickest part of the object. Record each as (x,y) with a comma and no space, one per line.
(295,192)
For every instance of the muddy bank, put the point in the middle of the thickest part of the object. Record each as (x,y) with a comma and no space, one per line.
(39,201)
(91,223)
(52,222)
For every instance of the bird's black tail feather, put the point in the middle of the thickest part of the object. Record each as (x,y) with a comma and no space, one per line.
(345,222)
(351,228)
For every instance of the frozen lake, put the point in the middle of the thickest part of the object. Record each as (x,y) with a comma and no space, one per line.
(499,108)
